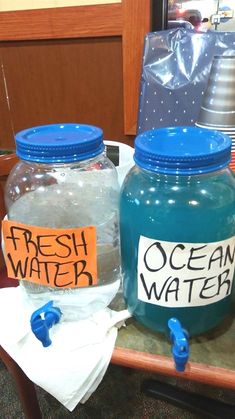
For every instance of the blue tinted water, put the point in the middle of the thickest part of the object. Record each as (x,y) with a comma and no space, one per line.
(200,209)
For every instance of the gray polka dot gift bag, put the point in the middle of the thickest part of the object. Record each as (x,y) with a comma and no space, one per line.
(175,73)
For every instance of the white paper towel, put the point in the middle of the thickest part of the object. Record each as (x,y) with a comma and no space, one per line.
(72,367)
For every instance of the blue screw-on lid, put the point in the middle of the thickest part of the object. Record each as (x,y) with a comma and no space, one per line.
(182,150)
(59,143)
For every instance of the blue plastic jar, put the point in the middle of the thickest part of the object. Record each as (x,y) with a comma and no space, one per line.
(177,216)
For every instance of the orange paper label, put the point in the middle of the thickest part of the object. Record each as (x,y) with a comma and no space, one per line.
(53,257)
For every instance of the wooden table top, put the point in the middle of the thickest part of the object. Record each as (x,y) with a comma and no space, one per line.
(212,355)
(211,360)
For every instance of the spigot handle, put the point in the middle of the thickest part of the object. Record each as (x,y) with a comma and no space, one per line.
(180,344)
(40,326)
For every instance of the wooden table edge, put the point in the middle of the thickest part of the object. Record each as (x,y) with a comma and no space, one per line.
(203,373)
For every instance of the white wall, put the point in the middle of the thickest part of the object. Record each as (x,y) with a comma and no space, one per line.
(8,5)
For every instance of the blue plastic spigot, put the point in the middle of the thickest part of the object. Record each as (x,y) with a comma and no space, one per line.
(40,325)
(180,341)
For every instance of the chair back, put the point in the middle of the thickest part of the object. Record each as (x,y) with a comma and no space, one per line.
(7,161)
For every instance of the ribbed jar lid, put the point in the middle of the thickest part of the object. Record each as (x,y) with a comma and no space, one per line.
(59,143)
(182,150)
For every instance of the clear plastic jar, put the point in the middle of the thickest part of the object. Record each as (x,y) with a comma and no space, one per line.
(177,222)
(65,181)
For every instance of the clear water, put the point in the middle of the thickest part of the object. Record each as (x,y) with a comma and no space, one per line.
(200,209)
(68,205)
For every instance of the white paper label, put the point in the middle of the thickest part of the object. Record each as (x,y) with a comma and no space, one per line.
(185,274)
